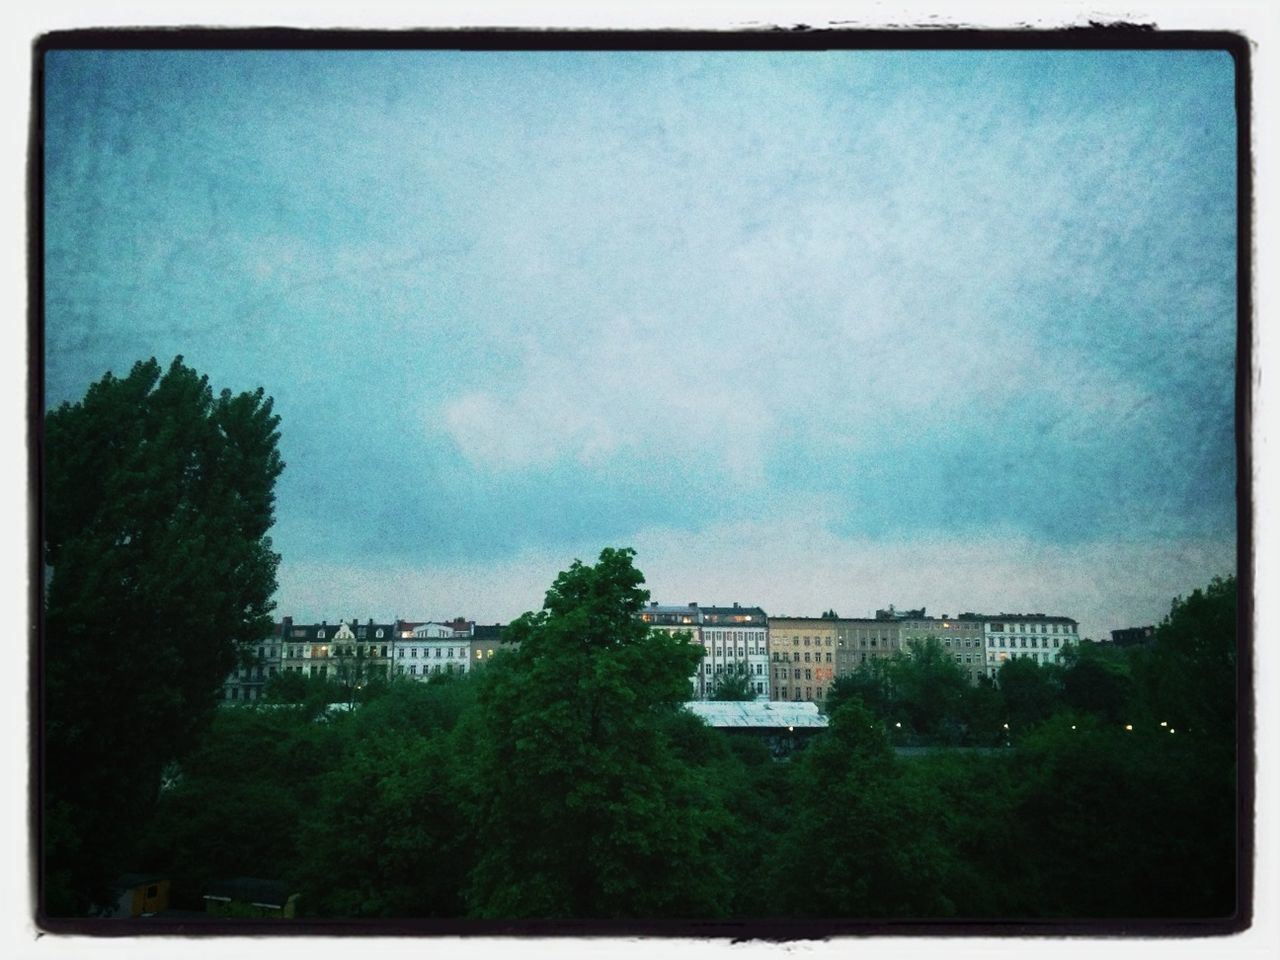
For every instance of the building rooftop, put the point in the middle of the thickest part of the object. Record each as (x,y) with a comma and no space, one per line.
(731,714)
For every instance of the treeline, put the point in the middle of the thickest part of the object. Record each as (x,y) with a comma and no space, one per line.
(565,780)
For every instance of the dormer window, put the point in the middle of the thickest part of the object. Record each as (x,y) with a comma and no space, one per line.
(319,634)
(378,633)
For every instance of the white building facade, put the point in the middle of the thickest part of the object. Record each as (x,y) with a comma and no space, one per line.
(1041,638)
(422,650)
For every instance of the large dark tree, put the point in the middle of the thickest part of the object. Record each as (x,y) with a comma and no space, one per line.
(582,807)
(158,496)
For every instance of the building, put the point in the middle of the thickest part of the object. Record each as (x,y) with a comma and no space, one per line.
(348,652)
(421,650)
(962,638)
(486,640)
(139,895)
(736,640)
(784,727)
(802,657)
(1134,636)
(259,662)
(860,641)
(1010,636)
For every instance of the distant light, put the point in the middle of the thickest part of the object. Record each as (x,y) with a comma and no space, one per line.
(897,725)
(1128,726)
(790,728)
(1164,723)
(1006,726)
(1171,730)
(1073,726)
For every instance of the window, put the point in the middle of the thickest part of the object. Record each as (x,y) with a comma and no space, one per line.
(378,634)
(413,652)
(796,673)
(828,658)
(806,656)
(1024,641)
(795,656)
(413,670)
(759,688)
(808,693)
(401,653)
(319,634)
(808,674)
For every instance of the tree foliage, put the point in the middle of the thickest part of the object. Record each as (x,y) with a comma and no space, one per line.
(733,686)
(158,496)
(581,804)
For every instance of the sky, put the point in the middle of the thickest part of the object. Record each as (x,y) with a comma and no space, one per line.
(808,330)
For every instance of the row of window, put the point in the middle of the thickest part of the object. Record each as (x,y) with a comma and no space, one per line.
(426,652)
(808,693)
(780,673)
(795,657)
(742,651)
(1013,641)
(431,668)
(1033,628)
(300,633)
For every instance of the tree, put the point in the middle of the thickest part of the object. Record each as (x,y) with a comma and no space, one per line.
(733,686)
(929,690)
(1029,692)
(157,501)
(581,806)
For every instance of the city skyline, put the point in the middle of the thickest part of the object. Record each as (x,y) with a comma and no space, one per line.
(808,330)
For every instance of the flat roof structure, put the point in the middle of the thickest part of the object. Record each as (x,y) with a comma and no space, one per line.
(758,714)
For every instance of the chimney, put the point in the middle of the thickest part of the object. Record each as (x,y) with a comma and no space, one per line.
(736,605)
(693,605)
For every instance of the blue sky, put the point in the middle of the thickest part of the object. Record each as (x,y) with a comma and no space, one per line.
(809,330)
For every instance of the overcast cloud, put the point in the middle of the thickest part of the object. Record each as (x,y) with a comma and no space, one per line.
(807,329)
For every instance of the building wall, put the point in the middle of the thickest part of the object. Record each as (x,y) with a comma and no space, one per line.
(736,639)
(1042,638)
(433,648)
(343,651)
(860,641)
(802,657)
(961,639)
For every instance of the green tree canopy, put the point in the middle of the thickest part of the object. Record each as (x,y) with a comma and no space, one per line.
(157,497)
(733,686)
(582,807)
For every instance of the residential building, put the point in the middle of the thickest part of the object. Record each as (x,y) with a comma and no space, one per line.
(487,640)
(736,640)
(1134,636)
(802,657)
(860,641)
(962,638)
(259,662)
(1010,636)
(347,651)
(421,650)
